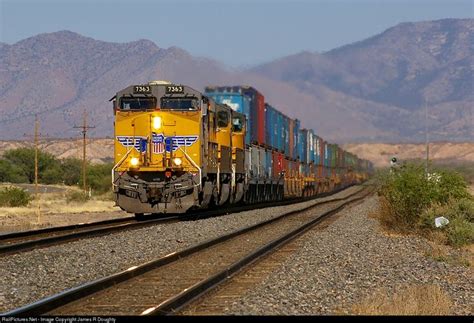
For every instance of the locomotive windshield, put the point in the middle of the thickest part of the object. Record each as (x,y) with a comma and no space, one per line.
(137,104)
(181,104)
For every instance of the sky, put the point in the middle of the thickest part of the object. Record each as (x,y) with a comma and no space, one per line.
(237,33)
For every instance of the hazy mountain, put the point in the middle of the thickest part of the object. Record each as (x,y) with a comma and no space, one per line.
(399,71)
(370,90)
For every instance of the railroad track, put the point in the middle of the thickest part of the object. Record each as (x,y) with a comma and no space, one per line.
(27,240)
(165,285)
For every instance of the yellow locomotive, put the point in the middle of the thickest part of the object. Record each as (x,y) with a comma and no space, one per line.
(175,150)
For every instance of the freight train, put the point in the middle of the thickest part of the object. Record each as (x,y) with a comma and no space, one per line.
(177,149)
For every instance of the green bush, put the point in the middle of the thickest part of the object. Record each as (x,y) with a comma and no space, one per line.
(24,160)
(75,196)
(17,166)
(14,197)
(99,177)
(412,200)
(466,169)
(460,232)
(409,191)
(11,173)
(72,171)
(52,175)
(460,213)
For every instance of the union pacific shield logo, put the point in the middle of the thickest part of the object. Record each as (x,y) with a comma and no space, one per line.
(159,142)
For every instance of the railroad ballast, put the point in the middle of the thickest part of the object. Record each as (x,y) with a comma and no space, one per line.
(177,149)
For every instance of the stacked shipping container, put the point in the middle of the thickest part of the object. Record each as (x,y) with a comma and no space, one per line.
(280,139)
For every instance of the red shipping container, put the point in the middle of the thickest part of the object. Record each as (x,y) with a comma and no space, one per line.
(257,114)
(286,165)
(278,166)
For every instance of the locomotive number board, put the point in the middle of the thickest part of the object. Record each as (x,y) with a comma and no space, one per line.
(142,89)
(174,89)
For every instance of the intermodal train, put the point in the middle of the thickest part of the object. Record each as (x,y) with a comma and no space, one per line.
(177,149)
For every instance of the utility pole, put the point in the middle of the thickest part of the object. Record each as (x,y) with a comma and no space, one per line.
(36,169)
(84,128)
(36,155)
(36,137)
(427,139)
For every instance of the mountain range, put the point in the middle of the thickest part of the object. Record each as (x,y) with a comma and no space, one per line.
(378,89)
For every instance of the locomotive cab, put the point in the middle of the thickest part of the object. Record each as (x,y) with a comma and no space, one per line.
(158,153)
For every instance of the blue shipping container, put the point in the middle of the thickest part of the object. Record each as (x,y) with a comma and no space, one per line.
(286,136)
(280,132)
(296,138)
(311,146)
(246,100)
(317,151)
(271,130)
(302,136)
(237,102)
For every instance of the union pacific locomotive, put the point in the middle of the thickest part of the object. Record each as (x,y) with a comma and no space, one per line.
(177,149)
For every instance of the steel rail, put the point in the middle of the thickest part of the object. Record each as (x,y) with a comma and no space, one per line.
(50,303)
(87,230)
(128,224)
(21,234)
(178,302)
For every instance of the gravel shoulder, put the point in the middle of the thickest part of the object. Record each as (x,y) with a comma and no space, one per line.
(24,222)
(29,276)
(335,269)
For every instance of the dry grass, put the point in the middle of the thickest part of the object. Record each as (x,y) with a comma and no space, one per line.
(388,223)
(51,203)
(469,250)
(443,253)
(408,300)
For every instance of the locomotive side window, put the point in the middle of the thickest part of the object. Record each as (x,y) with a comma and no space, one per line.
(137,104)
(222,119)
(237,124)
(181,104)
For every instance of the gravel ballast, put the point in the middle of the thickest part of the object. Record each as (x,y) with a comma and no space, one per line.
(338,267)
(32,275)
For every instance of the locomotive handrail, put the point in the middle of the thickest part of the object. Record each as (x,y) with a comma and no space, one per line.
(117,165)
(194,164)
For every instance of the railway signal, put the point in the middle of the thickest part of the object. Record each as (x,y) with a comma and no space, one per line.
(84,128)
(393,161)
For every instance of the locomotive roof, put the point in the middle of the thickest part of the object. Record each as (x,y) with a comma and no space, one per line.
(159,90)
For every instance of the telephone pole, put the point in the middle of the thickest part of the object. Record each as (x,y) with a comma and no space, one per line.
(427,139)
(36,137)
(84,128)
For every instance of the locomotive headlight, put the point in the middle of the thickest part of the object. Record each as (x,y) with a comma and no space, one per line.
(156,121)
(177,161)
(134,161)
